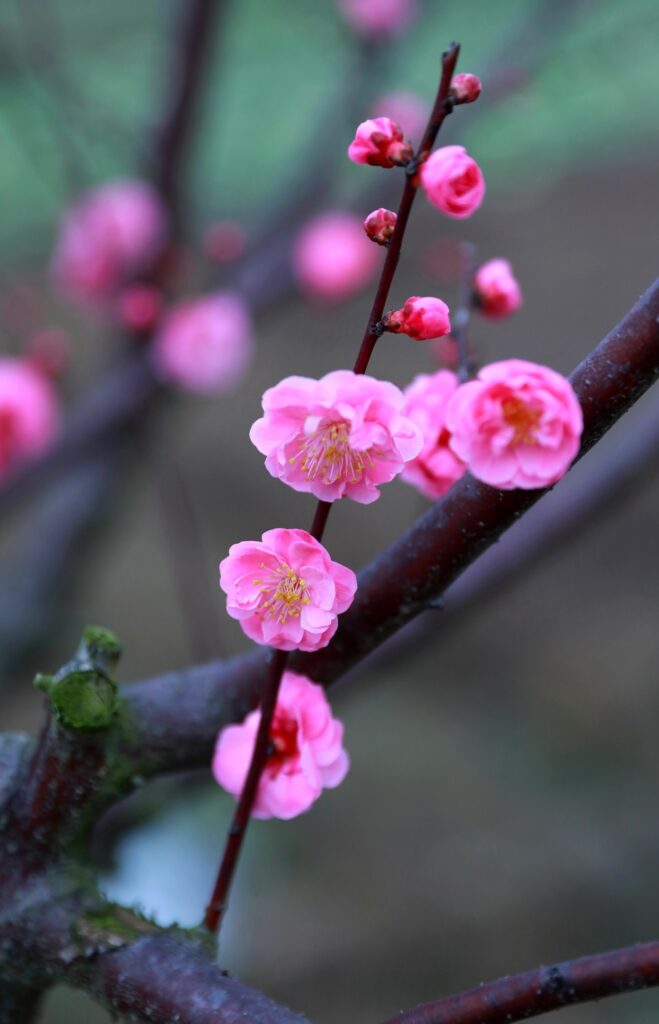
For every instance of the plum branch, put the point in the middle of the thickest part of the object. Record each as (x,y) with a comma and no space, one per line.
(176,716)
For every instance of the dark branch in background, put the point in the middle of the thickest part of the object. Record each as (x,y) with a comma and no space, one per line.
(185,544)
(191,50)
(461,317)
(176,717)
(36,573)
(527,995)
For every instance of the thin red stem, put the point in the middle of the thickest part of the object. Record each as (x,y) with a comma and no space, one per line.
(238,829)
(279,659)
(441,109)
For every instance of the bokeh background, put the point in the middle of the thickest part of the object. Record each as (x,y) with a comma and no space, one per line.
(501,810)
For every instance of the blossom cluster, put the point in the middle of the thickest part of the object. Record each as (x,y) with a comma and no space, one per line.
(516,425)
(107,243)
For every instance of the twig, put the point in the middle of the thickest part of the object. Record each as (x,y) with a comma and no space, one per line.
(460,319)
(527,995)
(279,659)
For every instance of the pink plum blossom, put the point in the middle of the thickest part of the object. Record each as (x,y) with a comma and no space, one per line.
(307,751)
(333,258)
(453,181)
(436,468)
(422,317)
(379,142)
(465,87)
(205,344)
(407,109)
(340,436)
(517,425)
(285,590)
(110,234)
(497,290)
(378,17)
(379,225)
(29,413)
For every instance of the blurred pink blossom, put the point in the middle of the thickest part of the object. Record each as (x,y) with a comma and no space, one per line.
(333,258)
(205,344)
(378,17)
(436,467)
(497,290)
(307,751)
(29,413)
(110,234)
(517,425)
(422,318)
(285,590)
(379,142)
(340,436)
(453,181)
(139,307)
(48,352)
(407,109)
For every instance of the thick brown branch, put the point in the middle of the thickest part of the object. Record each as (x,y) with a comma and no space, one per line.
(176,717)
(58,932)
(161,979)
(415,571)
(548,988)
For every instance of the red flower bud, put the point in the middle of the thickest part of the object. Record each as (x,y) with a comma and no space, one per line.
(379,225)
(465,88)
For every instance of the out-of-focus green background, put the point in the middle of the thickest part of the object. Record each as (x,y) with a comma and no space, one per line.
(501,810)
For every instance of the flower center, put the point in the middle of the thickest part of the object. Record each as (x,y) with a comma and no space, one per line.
(283,749)
(285,593)
(522,418)
(327,455)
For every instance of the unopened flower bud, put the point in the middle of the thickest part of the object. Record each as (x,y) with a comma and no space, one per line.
(380,143)
(497,291)
(453,181)
(465,88)
(422,317)
(379,225)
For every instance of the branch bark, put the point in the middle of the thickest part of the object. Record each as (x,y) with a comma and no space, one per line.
(547,988)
